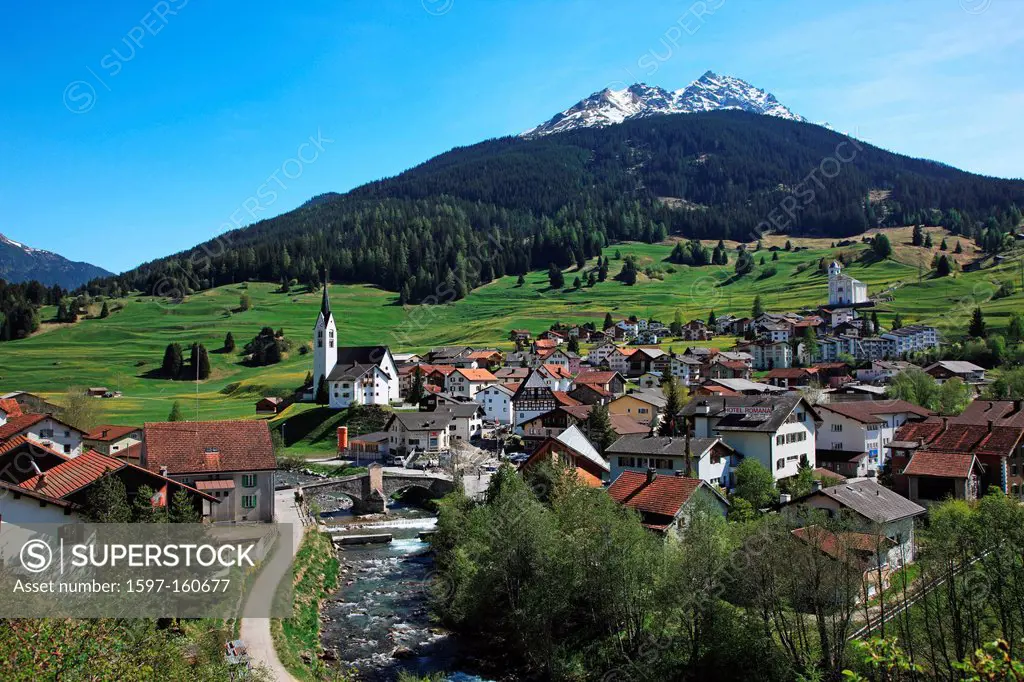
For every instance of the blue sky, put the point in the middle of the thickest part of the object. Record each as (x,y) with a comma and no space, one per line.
(131,130)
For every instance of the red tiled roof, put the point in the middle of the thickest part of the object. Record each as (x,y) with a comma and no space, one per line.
(229,484)
(482,354)
(477,374)
(1002,412)
(11,407)
(18,490)
(545,343)
(843,546)
(16,425)
(72,475)
(591,377)
(977,438)
(558,371)
(665,495)
(187,447)
(791,372)
(718,390)
(918,431)
(15,442)
(512,385)
(112,432)
(940,464)
(562,398)
(828,473)
(443,369)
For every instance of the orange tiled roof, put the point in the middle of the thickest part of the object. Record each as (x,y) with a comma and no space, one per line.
(940,464)
(111,432)
(665,495)
(562,398)
(16,425)
(72,475)
(11,407)
(477,374)
(187,447)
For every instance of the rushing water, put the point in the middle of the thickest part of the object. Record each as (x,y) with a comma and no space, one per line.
(379,621)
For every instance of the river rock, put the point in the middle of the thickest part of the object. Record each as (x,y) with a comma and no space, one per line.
(403,652)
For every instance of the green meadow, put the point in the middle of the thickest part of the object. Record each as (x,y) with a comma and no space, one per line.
(121,351)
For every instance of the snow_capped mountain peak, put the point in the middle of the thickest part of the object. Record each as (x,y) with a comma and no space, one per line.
(710,92)
(21,263)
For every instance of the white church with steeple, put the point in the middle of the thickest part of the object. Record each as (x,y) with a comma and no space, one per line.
(844,290)
(361,375)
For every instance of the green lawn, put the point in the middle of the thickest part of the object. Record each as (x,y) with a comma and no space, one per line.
(119,352)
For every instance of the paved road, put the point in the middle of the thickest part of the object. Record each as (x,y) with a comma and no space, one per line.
(255,632)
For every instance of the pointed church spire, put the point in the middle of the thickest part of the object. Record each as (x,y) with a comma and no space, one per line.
(325,306)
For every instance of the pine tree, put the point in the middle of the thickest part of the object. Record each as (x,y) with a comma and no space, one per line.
(520,281)
(758,308)
(104,311)
(977,327)
(928,240)
(628,273)
(608,321)
(789,245)
(416,390)
(775,255)
(762,260)
(943,246)
(874,320)
(182,509)
(591,279)
(1015,332)
(602,271)
(712,320)
(204,363)
(942,267)
(244,302)
(172,363)
(599,428)
(958,248)
(322,398)
(107,502)
(574,344)
(881,247)
(675,398)
(917,239)
(555,277)
(576,283)
(897,322)
(229,343)
(143,510)
(176,415)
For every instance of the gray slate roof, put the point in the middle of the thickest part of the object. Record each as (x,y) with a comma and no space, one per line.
(349,371)
(646,444)
(873,501)
(781,406)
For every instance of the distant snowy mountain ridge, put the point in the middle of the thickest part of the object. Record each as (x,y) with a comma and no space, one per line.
(710,92)
(21,263)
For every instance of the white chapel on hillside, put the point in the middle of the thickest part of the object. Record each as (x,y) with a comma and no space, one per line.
(843,289)
(361,375)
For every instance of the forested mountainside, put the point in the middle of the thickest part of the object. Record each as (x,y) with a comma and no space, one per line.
(21,263)
(511,204)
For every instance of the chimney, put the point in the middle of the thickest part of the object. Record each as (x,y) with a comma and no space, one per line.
(816,485)
(163,470)
(1018,404)
(991,423)
(651,473)
(784,498)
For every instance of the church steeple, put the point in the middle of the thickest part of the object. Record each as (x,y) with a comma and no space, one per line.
(325,305)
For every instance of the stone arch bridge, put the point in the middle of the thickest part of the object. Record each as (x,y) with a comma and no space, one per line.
(371,491)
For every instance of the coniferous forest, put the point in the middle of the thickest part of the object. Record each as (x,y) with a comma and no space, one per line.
(510,205)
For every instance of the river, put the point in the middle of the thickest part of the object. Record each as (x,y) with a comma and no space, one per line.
(379,621)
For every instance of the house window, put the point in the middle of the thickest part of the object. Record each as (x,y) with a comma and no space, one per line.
(780,439)
(248,501)
(248,480)
(837,427)
(781,464)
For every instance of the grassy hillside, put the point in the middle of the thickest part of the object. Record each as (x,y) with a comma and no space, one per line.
(120,351)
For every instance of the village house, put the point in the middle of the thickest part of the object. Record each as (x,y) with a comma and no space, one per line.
(968,372)
(551,424)
(269,405)
(519,335)
(619,361)
(739,387)
(649,380)
(792,377)
(508,375)
(882,371)
(556,376)
(709,459)
(696,330)
(29,402)
(590,394)
(772,354)
(467,383)
(611,382)
(497,402)
(572,449)
(114,440)
(687,369)
(232,461)
(664,503)
(44,429)
(533,398)
(865,553)
(778,431)
(419,431)
(643,360)
(860,430)
(723,368)
(599,355)
(448,355)
(641,405)
(869,508)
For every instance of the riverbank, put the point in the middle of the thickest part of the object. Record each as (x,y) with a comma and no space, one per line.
(297,639)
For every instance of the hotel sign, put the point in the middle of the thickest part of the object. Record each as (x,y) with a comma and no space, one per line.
(760,411)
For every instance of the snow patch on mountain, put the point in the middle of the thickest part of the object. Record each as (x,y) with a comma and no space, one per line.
(710,92)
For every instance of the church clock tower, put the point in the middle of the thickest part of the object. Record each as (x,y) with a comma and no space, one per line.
(325,341)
